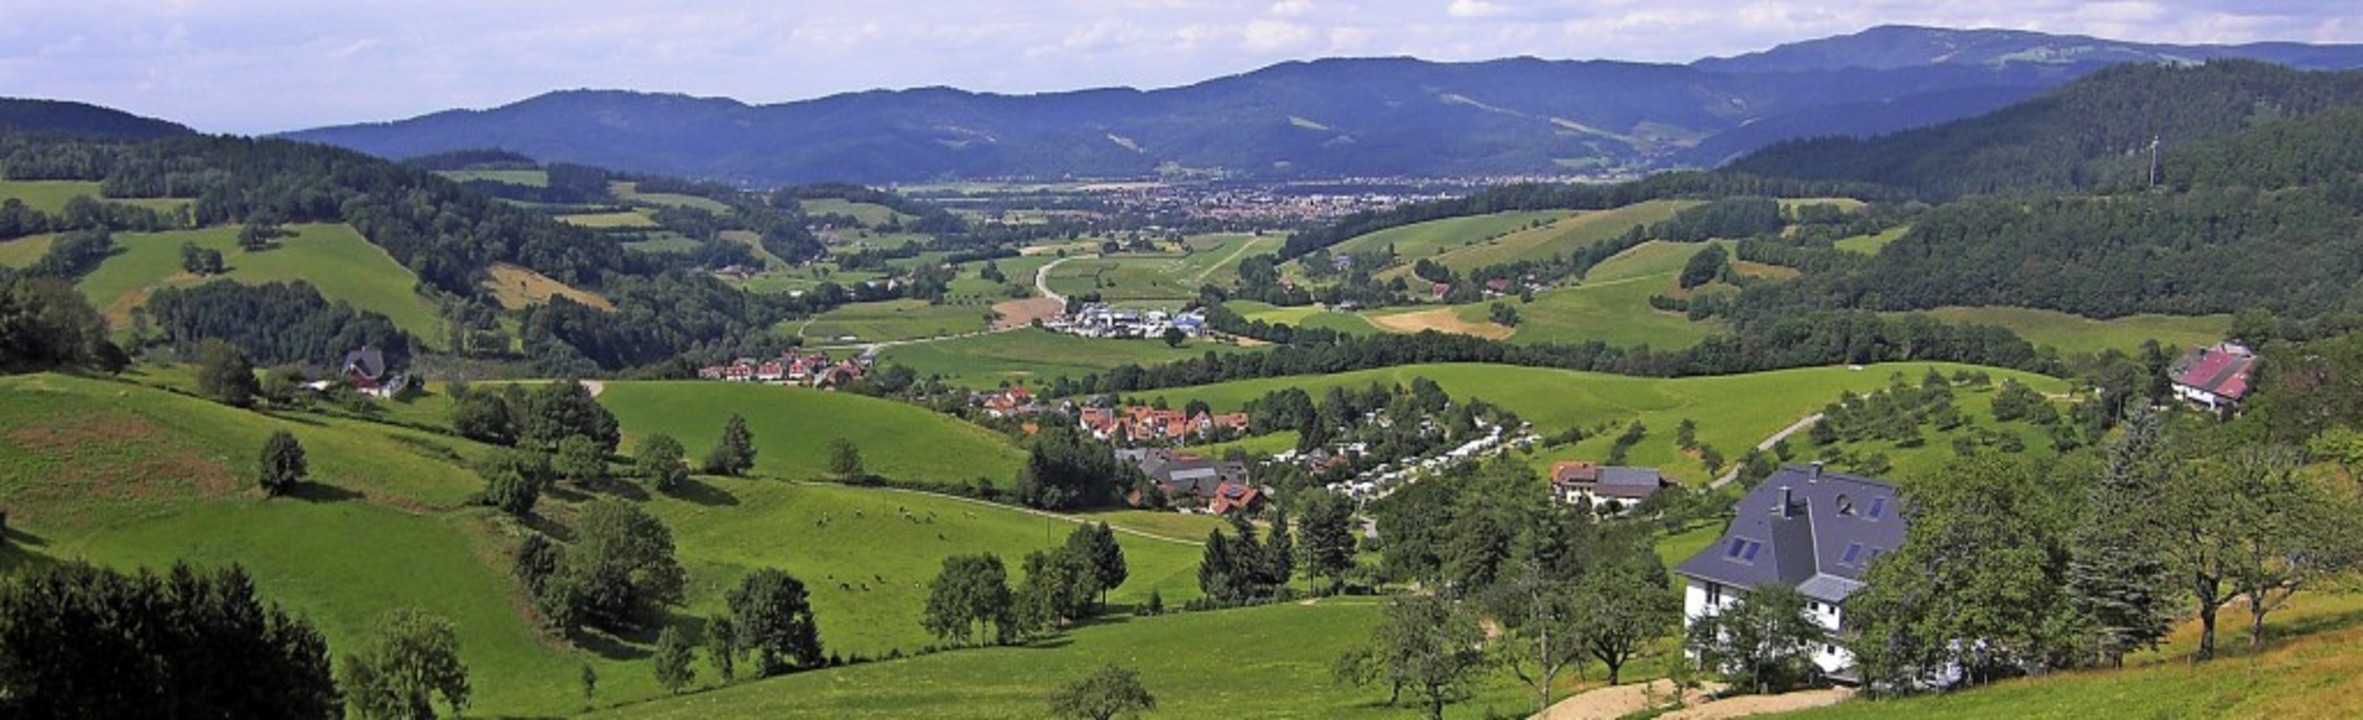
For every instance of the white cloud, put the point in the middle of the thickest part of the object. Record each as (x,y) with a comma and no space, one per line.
(1290,8)
(1472,9)
(1270,35)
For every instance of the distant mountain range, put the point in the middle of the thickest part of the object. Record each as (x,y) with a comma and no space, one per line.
(1324,118)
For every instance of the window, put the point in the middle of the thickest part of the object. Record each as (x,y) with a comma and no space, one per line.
(1845,505)
(1814,606)
(1714,595)
(1854,552)
(1749,554)
(1737,545)
(1829,649)
(1878,506)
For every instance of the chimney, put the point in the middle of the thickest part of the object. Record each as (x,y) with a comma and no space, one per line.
(1813,473)
(1786,503)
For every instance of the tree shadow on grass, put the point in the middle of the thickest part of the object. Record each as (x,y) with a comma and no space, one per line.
(607,646)
(697,491)
(17,553)
(547,527)
(620,488)
(322,493)
(299,418)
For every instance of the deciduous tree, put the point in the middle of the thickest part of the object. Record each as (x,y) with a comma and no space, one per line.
(772,616)
(674,652)
(734,451)
(1112,691)
(411,661)
(283,465)
(661,461)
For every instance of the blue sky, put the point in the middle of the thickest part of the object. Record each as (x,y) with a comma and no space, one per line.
(253,66)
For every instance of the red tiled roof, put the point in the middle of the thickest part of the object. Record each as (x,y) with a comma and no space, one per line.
(2218,371)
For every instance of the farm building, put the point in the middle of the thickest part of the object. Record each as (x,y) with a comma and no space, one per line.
(2213,377)
(1612,487)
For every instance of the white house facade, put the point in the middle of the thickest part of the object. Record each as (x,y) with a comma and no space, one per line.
(1805,529)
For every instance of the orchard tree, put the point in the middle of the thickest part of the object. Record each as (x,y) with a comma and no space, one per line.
(283,465)
(845,459)
(772,616)
(734,452)
(1097,544)
(661,460)
(224,374)
(969,593)
(1112,691)
(412,660)
(580,460)
(722,647)
(674,651)
(1426,643)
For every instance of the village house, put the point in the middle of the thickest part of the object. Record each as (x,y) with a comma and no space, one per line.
(1194,482)
(1012,402)
(794,368)
(366,370)
(1610,489)
(1143,424)
(1801,528)
(2215,377)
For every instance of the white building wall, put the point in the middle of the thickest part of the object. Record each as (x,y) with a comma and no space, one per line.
(1699,599)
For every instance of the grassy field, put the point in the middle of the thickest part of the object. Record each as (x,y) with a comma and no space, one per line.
(2309,668)
(2075,334)
(870,214)
(663,242)
(1428,239)
(1872,244)
(793,428)
(1271,661)
(1177,277)
(127,475)
(1611,305)
(50,196)
(1565,236)
(1733,412)
(528,178)
(895,320)
(23,252)
(1303,316)
(867,554)
(1035,355)
(609,220)
(516,286)
(333,258)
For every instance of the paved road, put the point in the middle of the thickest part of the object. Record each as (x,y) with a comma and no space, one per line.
(1792,429)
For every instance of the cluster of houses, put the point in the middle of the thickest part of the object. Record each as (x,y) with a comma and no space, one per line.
(1135,424)
(814,369)
(1101,320)
(1193,483)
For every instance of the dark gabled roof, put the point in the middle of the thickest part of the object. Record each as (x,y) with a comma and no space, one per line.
(1808,547)
(368,361)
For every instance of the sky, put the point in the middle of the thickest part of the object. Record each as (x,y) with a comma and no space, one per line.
(255,66)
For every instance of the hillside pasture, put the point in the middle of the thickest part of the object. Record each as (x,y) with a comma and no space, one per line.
(1303,316)
(517,286)
(1445,320)
(527,178)
(1559,238)
(794,426)
(869,214)
(51,196)
(894,320)
(1271,661)
(334,258)
(1873,243)
(1160,277)
(605,220)
(1434,237)
(1611,305)
(2076,334)
(23,252)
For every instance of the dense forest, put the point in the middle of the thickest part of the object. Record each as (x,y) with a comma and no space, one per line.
(2092,134)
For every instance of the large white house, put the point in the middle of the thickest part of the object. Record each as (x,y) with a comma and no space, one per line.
(1805,529)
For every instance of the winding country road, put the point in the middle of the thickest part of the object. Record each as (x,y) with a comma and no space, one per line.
(1792,429)
(1042,281)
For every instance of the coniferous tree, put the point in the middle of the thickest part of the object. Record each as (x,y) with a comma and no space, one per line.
(2117,581)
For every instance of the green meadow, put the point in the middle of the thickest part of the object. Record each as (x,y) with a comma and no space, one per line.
(1873,243)
(1302,316)
(50,196)
(23,252)
(334,258)
(2075,334)
(1212,259)
(869,214)
(1434,237)
(1271,661)
(894,320)
(1562,237)
(605,220)
(1611,305)
(794,426)
(528,178)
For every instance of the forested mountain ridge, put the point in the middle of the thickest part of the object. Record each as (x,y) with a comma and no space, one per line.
(2092,134)
(1337,117)
(1900,46)
(81,119)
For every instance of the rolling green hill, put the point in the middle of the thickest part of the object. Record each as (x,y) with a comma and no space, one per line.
(1565,236)
(892,320)
(1434,237)
(333,258)
(793,428)
(50,196)
(1271,661)
(127,475)
(2073,334)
